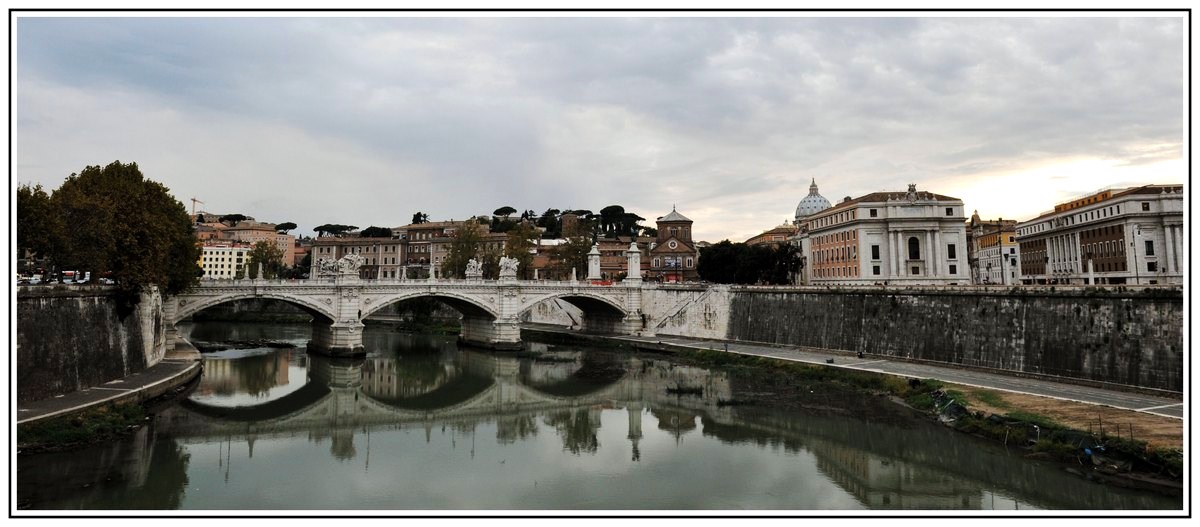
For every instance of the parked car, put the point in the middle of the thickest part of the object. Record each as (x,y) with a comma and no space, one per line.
(107,281)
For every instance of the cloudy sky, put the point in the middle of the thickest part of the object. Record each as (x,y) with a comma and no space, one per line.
(365,121)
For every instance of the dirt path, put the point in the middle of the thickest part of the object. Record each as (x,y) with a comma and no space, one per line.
(1158,431)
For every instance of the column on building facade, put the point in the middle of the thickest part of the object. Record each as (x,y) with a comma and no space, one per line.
(891,236)
(1169,237)
(1078,252)
(928,253)
(937,254)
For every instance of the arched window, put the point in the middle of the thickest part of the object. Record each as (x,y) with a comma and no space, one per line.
(914,248)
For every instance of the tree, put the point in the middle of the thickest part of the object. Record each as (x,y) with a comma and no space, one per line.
(269,255)
(464,245)
(609,216)
(284,227)
(505,211)
(376,232)
(520,244)
(718,262)
(333,229)
(550,221)
(200,219)
(232,219)
(572,255)
(40,227)
(490,259)
(420,217)
(129,226)
(738,263)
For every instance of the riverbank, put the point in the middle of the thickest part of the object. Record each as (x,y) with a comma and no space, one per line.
(102,413)
(1124,447)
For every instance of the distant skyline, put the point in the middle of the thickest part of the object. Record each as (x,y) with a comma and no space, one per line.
(367,120)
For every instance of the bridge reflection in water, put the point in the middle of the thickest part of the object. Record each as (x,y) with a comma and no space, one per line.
(409,427)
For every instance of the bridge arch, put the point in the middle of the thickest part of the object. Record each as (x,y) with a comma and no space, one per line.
(468,305)
(188,307)
(589,303)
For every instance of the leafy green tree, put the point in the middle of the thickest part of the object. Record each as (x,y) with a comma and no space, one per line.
(333,229)
(232,219)
(505,211)
(40,227)
(550,221)
(738,263)
(269,255)
(200,219)
(284,227)
(123,224)
(718,262)
(490,258)
(520,245)
(609,217)
(464,245)
(420,217)
(376,232)
(571,255)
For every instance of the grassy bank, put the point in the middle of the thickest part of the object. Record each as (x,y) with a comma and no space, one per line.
(981,413)
(97,425)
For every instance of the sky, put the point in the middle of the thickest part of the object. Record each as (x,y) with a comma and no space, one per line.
(365,121)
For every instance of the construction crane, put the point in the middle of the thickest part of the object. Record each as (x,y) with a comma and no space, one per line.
(194,202)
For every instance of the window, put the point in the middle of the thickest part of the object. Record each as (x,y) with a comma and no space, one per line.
(950,253)
(1012,250)
(953,269)
(949,211)
(916,271)
(914,249)
(1012,239)
(1013,262)
(874,213)
(1152,266)
(1149,247)
(689,262)
(875,269)
(656,262)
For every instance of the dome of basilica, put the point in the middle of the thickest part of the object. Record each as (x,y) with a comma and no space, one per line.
(812,203)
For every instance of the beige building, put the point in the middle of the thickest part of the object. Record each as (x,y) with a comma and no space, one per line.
(894,238)
(1113,236)
(383,258)
(994,255)
(223,261)
(252,233)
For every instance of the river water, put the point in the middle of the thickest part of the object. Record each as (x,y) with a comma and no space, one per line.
(422,425)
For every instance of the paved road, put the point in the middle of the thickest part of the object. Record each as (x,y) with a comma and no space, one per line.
(1071,392)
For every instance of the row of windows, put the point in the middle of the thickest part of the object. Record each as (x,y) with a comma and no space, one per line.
(835,219)
(672,262)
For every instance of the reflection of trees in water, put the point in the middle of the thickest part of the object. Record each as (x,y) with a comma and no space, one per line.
(423,370)
(577,428)
(165,482)
(516,428)
(140,473)
(257,374)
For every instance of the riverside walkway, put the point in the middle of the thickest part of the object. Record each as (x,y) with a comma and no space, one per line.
(176,369)
(1156,405)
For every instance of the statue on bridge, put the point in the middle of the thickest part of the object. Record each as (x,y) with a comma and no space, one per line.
(347,265)
(508,267)
(474,269)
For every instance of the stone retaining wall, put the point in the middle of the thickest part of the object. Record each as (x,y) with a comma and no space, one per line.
(70,338)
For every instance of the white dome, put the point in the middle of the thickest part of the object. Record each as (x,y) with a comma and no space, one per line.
(812,203)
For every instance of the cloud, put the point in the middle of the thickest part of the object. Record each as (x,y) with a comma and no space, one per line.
(729,118)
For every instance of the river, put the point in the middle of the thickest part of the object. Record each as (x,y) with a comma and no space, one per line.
(420,424)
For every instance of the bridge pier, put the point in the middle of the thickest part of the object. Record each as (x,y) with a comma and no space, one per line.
(484,332)
(612,324)
(340,339)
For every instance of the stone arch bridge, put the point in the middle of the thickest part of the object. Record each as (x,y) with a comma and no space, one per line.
(491,309)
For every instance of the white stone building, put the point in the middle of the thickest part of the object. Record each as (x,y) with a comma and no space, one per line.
(893,238)
(223,261)
(1114,236)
